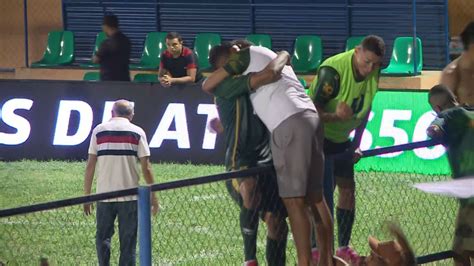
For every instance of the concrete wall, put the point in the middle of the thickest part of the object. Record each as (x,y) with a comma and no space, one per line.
(461,12)
(43,16)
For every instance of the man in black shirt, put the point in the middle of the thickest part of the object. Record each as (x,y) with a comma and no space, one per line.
(114,53)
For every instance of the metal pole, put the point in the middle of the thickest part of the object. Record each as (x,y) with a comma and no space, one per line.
(252,16)
(144,224)
(158,16)
(415,63)
(25,19)
(349,19)
(446,30)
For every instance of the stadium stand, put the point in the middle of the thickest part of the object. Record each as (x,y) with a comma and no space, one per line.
(202,45)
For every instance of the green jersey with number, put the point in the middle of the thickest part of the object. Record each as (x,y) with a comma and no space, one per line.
(246,137)
(336,83)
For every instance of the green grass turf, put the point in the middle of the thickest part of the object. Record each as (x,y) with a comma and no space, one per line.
(197,225)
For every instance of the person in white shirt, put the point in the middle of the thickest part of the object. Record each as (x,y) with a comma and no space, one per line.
(115,148)
(296,135)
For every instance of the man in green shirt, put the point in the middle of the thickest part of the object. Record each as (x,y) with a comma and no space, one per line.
(248,145)
(343,93)
(455,125)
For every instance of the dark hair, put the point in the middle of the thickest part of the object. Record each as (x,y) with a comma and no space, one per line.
(375,44)
(219,51)
(242,43)
(174,35)
(467,35)
(111,21)
(442,91)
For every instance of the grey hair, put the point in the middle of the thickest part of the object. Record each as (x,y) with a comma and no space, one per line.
(124,108)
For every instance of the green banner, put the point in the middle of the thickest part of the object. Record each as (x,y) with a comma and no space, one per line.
(397,118)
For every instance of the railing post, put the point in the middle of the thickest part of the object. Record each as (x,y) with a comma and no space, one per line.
(415,61)
(25,21)
(144,224)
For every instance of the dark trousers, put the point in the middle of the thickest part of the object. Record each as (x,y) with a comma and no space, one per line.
(126,212)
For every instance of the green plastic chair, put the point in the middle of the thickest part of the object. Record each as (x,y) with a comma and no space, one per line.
(307,55)
(263,40)
(59,50)
(100,37)
(155,44)
(203,44)
(353,41)
(401,62)
(91,76)
(146,78)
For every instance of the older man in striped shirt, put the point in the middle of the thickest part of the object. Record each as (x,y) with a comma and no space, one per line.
(116,147)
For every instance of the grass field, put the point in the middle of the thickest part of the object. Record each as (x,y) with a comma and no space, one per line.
(197,225)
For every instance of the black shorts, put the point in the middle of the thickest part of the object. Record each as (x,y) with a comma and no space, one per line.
(343,168)
(267,186)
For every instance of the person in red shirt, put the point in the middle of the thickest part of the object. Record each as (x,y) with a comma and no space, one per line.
(178,63)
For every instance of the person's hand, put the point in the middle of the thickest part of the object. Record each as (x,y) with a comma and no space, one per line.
(357,155)
(166,80)
(288,63)
(155,207)
(343,111)
(215,126)
(88,207)
(434,132)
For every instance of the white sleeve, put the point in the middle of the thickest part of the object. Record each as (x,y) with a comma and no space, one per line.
(93,142)
(143,149)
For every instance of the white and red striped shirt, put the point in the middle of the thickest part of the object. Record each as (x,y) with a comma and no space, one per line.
(118,144)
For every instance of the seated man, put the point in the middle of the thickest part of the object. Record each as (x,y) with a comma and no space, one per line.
(178,63)
(455,124)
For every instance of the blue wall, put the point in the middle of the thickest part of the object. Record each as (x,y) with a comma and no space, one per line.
(332,20)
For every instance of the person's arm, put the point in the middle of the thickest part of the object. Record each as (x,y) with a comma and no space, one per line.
(325,88)
(229,87)
(90,170)
(88,178)
(162,71)
(103,51)
(271,73)
(148,176)
(190,78)
(450,77)
(359,131)
(143,152)
(436,129)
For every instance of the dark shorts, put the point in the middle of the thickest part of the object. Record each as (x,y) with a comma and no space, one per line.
(343,169)
(267,187)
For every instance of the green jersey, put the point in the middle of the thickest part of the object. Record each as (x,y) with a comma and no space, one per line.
(246,137)
(336,83)
(458,126)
